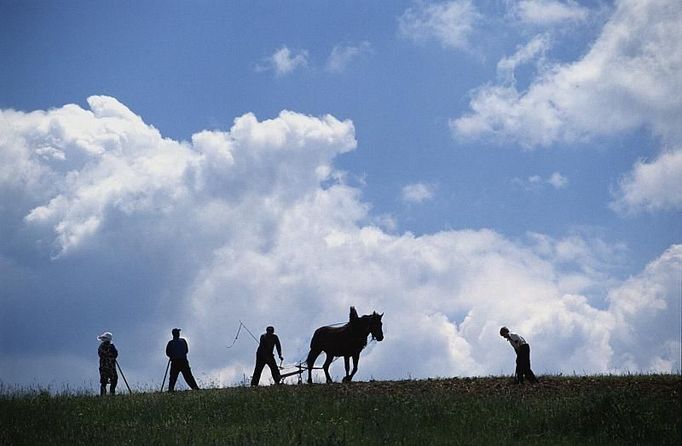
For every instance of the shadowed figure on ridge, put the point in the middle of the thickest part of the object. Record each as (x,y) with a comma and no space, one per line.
(522,350)
(107,364)
(347,341)
(265,355)
(177,350)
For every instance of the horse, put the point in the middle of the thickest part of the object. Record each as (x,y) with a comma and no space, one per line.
(347,341)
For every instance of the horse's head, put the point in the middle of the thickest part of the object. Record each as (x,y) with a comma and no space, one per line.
(375,326)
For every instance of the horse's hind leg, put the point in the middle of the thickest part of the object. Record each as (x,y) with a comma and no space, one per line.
(327,363)
(312,356)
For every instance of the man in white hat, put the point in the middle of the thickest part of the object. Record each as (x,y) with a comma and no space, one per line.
(107,364)
(522,350)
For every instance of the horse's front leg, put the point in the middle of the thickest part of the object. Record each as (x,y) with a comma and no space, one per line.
(346,363)
(326,365)
(356,359)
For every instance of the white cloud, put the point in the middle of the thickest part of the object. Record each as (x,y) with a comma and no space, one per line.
(628,79)
(548,12)
(253,224)
(533,49)
(558,181)
(449,23)
(652,186)
(417,192)
(284,61)
(536,182)
(645,307)
(342,55)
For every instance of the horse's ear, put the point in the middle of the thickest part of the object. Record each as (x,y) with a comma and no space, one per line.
(353,314)
(381,315)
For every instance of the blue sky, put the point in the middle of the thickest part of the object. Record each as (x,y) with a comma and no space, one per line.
(528,140)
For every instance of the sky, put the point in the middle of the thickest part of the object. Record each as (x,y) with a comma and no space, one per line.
(456,165)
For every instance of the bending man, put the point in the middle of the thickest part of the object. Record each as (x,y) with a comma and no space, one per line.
(522,356)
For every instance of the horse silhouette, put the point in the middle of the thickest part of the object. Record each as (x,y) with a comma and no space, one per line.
(347,341)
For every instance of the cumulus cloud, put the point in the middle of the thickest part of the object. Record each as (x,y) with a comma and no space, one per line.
(255,224)
(628,79)
(342,55)
(449,23)
(652,186)
(644,307)
(284,61)
(548,12)
(417,192)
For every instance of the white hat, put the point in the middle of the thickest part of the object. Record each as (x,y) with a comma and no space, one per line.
(106,336)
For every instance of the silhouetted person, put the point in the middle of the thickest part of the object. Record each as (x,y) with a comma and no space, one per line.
(107,364)
(265,355)
(522,350)
(177,350)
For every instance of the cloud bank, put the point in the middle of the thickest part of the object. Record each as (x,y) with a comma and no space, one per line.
(112,226)
(629,79)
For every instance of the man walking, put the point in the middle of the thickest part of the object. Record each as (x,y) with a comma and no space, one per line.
(107,364)
(522,356)
(265,355)
(177,350)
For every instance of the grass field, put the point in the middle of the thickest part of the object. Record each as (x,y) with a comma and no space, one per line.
(641,409)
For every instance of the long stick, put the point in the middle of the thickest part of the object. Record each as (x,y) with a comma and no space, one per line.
(249,331)
(164,376)
(124,377)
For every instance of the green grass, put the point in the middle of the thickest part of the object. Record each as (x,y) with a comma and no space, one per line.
(560,410)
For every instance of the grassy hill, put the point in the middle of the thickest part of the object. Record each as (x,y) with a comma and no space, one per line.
(559,410)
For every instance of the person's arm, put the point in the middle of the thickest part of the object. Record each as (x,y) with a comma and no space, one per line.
(514,340)
(184,341)
(168,349)
(114,352)
(278,346)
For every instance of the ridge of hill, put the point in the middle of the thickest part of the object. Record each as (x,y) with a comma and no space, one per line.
(627,409)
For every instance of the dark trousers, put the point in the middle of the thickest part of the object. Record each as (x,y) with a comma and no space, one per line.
(523,365)
(107,378)
(261,361)
(177,366)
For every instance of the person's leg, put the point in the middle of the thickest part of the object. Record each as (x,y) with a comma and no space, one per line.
(518,378)
(189,378)
(529,373)
(524,363)
(102,383)
(260,363)
(112,384)
(173,377)
(274,370)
